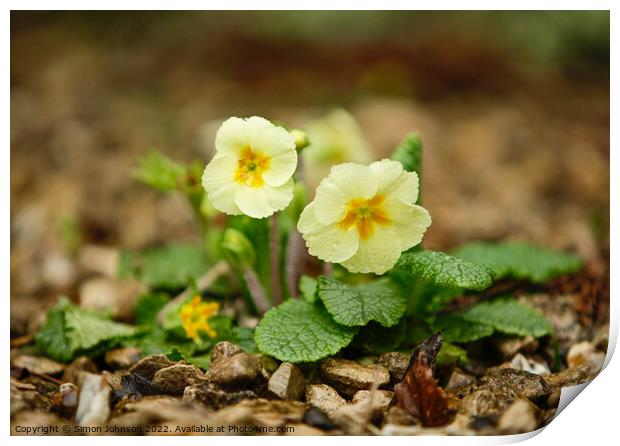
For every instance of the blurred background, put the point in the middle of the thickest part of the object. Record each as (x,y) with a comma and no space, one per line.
(513,108)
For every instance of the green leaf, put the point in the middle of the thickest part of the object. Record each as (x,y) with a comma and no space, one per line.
(438,268)
(409,154)
(52,337)
(520,260)
(169,267)
(70,330)
(86,330)
(148,307)
(509,316)
(244,338)
(376,339)
(159,172)
(450,353)
(298,331)
(349,305)
(455,328)
(307,286)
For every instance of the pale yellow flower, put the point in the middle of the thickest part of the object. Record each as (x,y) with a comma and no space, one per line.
(251,172)
(334,138)
(195,316)
(363,217)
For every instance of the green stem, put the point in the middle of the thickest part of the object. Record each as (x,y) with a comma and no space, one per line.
(274,251)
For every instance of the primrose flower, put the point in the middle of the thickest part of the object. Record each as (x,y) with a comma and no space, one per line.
(334,138)
(251,172)
(195,317)
(363,217)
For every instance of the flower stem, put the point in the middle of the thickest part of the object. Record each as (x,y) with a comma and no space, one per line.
(328,269)
(274,251)
(204,282)
(256,290)
(294,261)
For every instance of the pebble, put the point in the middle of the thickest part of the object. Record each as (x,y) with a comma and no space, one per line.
(122,358)
(380,400)
(174,379)
(215,398)
(25,397)
(459,379)
(324,397)
(585,353)
(287,382)
(520,362)
(510,346)
(67,400)
(528,385)
(520,417)
(38,364)
(570,376)
(224,350)
(147,367)
(94,402)
(484,402)
(79,366)
(396,363)
(349,376)
(239,370)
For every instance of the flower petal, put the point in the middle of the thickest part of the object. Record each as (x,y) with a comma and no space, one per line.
(395,182)
(218,181)
(377,254)
(345,182)
(327,242)
(409,222)
(232,136)
(261,202)
(281,168)
(268,138)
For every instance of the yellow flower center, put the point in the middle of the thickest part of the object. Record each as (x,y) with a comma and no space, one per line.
(250,167)
(195,317)
(365,214)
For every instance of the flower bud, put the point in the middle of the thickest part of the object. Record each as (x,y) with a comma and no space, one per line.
(237,249)
(301,139)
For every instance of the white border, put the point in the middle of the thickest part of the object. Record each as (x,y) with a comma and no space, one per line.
(592,419)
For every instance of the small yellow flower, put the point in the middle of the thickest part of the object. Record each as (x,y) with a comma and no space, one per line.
(251,172)
(364,216)
(195,317)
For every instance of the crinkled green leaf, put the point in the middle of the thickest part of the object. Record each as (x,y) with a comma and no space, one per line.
(170,267)
(350,305)
(298,331)
(509,316)
(86,329)
(520,260)
(455,328)
(307,286)
(52,337)
(441,269)
(70,330)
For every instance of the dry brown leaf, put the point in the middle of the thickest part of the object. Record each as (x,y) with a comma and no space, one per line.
(419,392)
